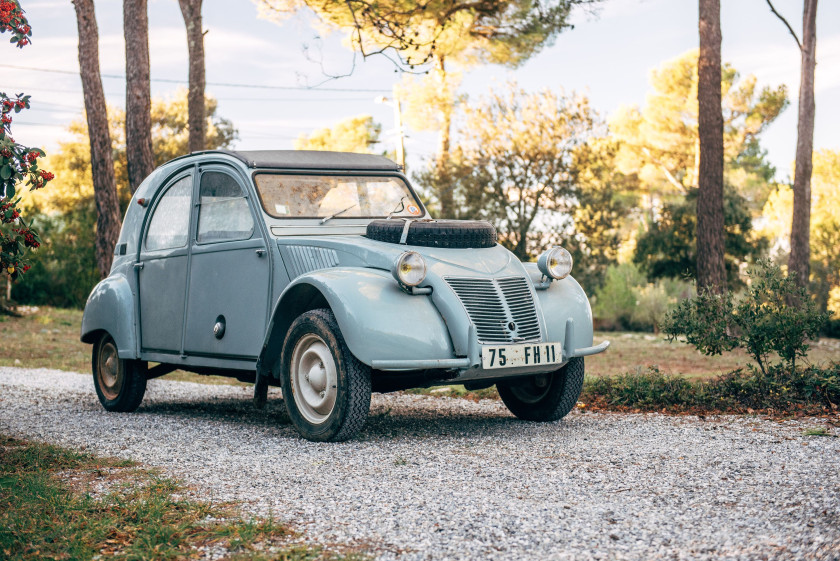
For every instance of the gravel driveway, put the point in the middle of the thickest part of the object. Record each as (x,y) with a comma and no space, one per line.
(439,478)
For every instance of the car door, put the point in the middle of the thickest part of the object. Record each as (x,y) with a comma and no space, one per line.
(230,273)
(162,267)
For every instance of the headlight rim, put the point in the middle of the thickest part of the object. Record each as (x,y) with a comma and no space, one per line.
(397,266)
(544,260)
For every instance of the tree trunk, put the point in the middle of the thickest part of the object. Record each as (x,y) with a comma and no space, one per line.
(101,159)
(138,97)
(711,272)
(196,121)
(800,231)
(445,194)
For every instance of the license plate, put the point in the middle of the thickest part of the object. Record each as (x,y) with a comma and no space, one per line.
(510,356)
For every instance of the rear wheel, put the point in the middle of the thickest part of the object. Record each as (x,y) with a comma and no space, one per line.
(328,388)
(544,397)
(120,384)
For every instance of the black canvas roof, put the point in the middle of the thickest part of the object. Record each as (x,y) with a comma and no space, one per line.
(312,159)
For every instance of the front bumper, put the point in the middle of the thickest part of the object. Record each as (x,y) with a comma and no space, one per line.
(473,359)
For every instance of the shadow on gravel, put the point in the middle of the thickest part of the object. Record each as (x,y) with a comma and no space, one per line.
(383,423)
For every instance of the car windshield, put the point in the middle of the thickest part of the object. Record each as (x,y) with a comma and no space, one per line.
(335,196)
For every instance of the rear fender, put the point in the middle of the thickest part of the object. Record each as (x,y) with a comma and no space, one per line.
(376,318)
(110,308)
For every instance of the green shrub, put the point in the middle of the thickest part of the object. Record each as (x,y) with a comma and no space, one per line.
(616,299)
(809,390)
(774,315)
(647,390)
(64,267)
(628,301)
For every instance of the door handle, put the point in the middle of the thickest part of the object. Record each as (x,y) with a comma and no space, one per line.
(260,252)
(138,266)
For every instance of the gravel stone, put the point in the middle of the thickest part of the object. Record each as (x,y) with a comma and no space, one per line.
(440,478)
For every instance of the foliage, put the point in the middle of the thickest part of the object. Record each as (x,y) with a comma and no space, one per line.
(773,316)
(414,33)
(356,134)
(778,391)
(18,163)
(64,270)
(825,226)
(13,21)
(170,139)
(660,140)
(515,163)
(627,301)
(64,274)
(615,301)
(668,248)
(603,210)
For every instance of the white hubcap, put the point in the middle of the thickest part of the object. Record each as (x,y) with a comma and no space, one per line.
(314,379)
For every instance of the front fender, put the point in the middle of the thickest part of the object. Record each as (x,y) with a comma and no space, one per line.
(563,300)
(110,307)
(377,319)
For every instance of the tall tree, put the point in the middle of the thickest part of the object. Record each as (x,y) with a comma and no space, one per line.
(515,164)
(437,35)
(711,271)
(191,10)
(800,237)
(659,141)
(355,134)
(102,162)
(138,96)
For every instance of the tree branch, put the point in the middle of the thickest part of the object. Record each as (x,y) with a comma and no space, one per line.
(784,21)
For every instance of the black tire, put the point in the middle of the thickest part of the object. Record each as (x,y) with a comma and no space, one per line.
(545,397)
(120,384)
(326,401)
(457,234)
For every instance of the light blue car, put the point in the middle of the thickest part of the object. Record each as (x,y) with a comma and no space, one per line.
(323,273)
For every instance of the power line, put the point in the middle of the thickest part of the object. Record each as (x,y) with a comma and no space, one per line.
(27,89)
(216,84)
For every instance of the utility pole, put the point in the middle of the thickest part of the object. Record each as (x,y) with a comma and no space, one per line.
(395,103)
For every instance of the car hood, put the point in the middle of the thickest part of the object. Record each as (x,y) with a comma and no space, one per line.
(359,251)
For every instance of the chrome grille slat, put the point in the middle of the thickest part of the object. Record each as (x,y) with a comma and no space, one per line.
(493,303)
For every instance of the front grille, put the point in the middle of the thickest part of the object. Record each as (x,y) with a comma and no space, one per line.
(493,304)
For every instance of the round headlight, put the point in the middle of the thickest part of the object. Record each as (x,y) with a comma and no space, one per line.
(409,269)
(555,263)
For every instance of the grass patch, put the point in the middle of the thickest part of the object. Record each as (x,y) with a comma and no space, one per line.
(49,338)
(816,431)
(123,511)
(457,390)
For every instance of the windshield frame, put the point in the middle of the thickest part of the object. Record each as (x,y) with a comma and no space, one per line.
(341,173)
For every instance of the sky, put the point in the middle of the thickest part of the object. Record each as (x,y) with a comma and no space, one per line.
(263,72)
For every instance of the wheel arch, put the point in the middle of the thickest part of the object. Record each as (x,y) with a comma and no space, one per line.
(371,312)
(110,309)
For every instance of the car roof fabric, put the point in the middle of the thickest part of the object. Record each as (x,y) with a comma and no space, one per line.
(312,159)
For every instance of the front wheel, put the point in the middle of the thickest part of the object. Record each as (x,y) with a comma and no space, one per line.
(326,389)
(120,384)
(544,397)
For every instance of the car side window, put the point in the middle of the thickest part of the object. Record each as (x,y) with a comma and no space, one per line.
(224,213)
(170,222)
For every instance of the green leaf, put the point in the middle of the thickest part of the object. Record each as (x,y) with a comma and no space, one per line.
(6,173)
(10,190)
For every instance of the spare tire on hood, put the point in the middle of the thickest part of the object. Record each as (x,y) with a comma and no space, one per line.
(458,234)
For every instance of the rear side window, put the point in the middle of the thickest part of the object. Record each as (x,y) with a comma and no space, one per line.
(170,222)
(223,214)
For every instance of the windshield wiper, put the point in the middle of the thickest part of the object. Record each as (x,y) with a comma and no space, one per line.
(333,215)
(399,208)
